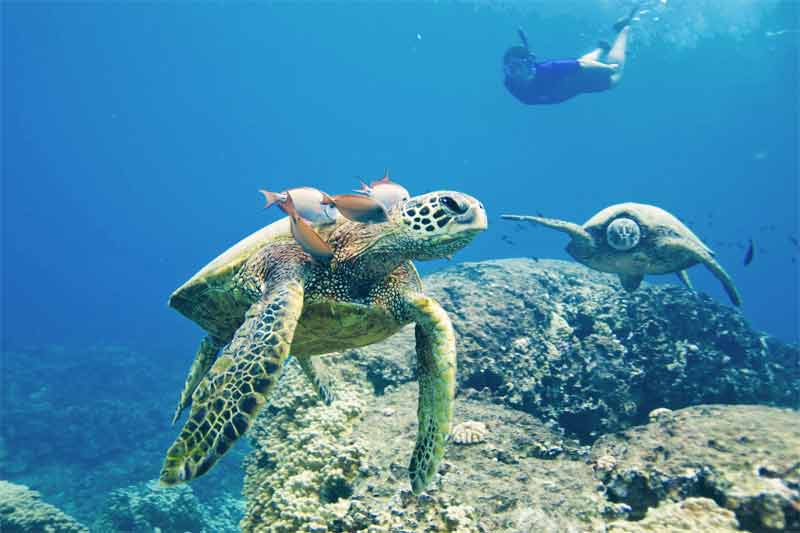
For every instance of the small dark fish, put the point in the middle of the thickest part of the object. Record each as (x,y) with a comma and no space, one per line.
(748,256)
(794,241)
(535,258)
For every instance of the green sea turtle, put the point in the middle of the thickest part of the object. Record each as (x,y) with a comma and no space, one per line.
(632,240)
(266,298)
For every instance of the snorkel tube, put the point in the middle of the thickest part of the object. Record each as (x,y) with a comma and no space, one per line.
(523,38)
(518,62)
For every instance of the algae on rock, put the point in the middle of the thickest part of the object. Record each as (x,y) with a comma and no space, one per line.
(745,457)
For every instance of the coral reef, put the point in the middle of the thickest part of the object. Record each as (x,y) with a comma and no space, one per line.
(146,507)
(22,511)
(746,458)
(565,343)
(112,408)
(305,448)
(566,346)
(663,472)
(306,457)
(691,514)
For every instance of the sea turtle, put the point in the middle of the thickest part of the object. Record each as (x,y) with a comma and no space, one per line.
(266,298)
(632,240)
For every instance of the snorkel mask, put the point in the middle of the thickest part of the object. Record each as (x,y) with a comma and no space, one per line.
(518,62)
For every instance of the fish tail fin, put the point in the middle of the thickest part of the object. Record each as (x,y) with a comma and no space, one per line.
(270,197)
(365,189)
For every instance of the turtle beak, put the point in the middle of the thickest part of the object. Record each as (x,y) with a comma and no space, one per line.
(474,217)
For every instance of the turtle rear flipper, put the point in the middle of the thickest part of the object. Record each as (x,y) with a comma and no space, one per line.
(630,282)
(320,380)
(719,272)
(227,401)
(205,357)
(703,255)
(436,370)
(684,277)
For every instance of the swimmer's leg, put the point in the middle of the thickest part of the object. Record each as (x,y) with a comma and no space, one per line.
(594,55)
(617,54)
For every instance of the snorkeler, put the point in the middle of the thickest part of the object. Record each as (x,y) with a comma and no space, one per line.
(552,82)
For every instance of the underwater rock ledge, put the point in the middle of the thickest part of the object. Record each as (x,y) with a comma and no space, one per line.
(567,344)
(343,468)
(549,352)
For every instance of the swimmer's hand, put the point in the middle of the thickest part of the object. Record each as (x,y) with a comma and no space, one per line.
(589,64)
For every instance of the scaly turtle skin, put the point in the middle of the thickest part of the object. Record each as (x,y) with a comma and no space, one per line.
(266,298)
(632,240)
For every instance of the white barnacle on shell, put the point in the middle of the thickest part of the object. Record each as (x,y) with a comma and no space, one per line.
(623,234)
(470,432)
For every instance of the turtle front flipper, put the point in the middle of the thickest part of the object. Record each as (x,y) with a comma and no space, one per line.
(436,371)
(206,355)
(227,401)
(579,234)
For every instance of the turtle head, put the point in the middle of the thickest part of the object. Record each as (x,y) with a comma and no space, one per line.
(438,224)
(623,234)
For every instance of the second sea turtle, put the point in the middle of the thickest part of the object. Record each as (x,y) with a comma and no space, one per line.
(632,240)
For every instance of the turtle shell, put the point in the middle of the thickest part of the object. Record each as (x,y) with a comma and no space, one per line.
(652,220)
(212,298)
(657,227)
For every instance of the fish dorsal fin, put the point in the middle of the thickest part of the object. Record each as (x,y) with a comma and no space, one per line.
(384,180)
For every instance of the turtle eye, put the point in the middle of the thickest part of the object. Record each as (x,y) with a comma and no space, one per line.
(449,203)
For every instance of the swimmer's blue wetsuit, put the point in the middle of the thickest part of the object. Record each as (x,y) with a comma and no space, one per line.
(557,81)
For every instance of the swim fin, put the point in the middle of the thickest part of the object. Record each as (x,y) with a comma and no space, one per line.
(625,21)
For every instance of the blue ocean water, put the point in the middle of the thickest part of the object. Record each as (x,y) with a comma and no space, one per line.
(136,136)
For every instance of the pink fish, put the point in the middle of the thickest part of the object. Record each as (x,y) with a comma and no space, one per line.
(357,207)
(307,203)
(305,235)
(385,191)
